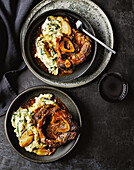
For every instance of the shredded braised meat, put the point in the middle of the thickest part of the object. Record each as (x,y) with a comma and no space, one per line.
(72,50)
(55,125)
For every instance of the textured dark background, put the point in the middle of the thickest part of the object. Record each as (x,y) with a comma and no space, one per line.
(107,140)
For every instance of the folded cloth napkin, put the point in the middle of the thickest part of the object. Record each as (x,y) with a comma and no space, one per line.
(12,15)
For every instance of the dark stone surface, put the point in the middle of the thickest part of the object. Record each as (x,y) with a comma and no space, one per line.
(107,140)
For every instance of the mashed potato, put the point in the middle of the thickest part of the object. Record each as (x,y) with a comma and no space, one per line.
(51,29)
(22,120)
(46,49)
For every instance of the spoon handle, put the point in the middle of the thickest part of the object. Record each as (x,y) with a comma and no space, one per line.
(100,42)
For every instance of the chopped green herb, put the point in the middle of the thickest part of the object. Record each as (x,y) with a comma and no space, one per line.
(18,127)
(57,26)
(53,52)
(19,114)
(37,44)
(14,116)
(42,52)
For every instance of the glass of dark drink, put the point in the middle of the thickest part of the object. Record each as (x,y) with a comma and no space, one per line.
(113,87)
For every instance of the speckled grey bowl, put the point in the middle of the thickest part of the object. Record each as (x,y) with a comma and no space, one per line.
(21,99)
(27,47)
(101,25)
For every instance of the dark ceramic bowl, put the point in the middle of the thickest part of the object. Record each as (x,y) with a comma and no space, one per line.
(27,41)
(21,99)
(113,87)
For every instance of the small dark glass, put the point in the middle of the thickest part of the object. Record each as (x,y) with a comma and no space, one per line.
(113,87)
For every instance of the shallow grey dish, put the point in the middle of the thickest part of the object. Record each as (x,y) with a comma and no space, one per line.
(21,99)
(101,25)
(27,46)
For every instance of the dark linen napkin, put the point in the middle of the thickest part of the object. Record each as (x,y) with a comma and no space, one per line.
(12,15)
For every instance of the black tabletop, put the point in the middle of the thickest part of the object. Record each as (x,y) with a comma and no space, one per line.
(107,139)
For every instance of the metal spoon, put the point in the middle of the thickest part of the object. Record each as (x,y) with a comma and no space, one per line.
(79,26)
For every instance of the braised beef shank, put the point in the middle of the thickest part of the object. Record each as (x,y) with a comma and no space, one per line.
(55,124)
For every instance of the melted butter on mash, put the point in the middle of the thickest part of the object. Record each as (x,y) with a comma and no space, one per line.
(22,120)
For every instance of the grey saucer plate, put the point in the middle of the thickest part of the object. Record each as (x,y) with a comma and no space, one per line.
(21,99)
(27,47)
(101,25)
